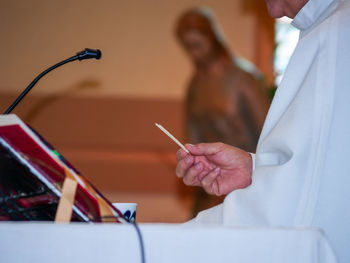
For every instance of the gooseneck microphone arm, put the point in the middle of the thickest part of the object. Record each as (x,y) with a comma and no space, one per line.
(85,54)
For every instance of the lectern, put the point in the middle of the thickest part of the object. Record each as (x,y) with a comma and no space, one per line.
(38,183)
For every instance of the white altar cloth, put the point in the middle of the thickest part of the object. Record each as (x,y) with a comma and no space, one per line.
(97,243)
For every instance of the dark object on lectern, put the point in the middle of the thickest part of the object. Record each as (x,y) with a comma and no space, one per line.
(85,54)
(22,196)
(32,174)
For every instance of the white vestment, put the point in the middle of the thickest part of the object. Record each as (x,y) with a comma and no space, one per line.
(302,163)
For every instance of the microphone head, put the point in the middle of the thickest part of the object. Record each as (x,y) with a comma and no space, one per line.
(89,53)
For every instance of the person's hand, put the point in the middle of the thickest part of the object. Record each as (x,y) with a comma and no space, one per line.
(217,167)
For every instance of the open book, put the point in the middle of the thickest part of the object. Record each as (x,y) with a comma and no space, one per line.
(31,177)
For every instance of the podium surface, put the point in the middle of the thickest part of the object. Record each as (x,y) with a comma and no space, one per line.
(79,242)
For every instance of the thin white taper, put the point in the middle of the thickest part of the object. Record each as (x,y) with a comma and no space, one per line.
(171,137)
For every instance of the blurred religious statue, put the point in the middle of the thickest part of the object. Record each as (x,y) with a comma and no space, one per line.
(225,98)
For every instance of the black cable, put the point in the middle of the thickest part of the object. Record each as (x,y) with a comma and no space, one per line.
(138,231)
(31,85)
(139,234)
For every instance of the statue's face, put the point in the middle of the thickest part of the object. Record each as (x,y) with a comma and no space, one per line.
(197,45)
(289,8)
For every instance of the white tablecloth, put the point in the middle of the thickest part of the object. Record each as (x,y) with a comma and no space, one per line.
(98,243)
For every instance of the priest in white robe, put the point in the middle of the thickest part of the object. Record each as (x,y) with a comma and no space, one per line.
(300,174)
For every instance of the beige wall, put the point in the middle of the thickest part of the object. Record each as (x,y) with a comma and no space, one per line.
(140,54)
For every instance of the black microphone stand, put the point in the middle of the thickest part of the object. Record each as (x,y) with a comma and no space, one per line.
(85,54)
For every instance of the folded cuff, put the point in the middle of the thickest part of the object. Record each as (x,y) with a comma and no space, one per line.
(253,161)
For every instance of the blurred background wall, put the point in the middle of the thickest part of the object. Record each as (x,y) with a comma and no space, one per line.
(101,114)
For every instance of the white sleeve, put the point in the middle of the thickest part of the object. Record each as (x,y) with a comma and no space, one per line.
(253,161)
(211,215)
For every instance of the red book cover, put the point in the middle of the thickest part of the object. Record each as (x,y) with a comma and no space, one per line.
(31,178)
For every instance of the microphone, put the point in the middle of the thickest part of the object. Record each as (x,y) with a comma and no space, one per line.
(85,54)
(89,53)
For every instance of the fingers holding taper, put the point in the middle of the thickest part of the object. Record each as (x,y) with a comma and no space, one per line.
(194,174)
(190,168)
(193,167)
(217,167)
(184,162)
(210,183)
(199,175)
